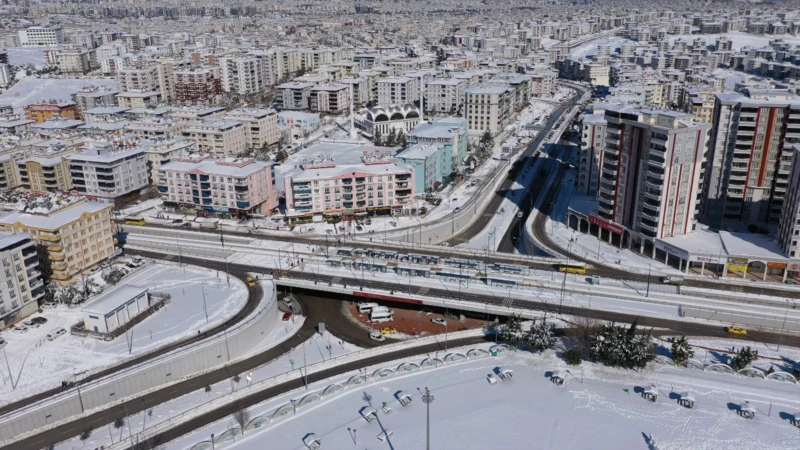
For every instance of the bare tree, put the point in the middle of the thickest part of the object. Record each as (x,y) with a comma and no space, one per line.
(584,327)
(241,416)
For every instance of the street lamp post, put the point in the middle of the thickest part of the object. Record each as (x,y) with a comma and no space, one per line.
(205,307)
(649,268)
(427,398)
(783,326)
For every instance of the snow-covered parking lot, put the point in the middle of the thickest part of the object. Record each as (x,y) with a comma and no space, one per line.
(37,364)
(598,408)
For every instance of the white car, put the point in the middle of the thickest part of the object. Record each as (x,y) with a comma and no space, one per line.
(439,321)
(30,324)
(377,336)
(20,328)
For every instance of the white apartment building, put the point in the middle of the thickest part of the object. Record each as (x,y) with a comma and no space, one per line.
(21,284)
(789,224)
(261,126)
(488,108)
(597,74)
(218,138)
(41,36)
(243,74)
(110,173)
(139,79)
(293,96)
(5,76)
(397,91)
(651,172)
(749,158)
(156,127)
(593,143)
(299,123)
(75,61)
(445,95)
(232,186)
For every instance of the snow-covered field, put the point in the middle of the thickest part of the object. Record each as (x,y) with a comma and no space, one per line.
(591,48)
(40,364)
(598,408)
(32,90)
(20,56)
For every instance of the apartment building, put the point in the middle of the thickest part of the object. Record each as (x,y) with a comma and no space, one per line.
(21,284)
(5,76)
(110,173)
(239,187)
(445,95)
(139,78)
(73,234)
(197,86)
(330,98)
(76,61)
(360,89)
(789,223)
(160,151)
(597,74)
(156,127)
(448,134)
(45,170)
(299,123)
(293,96)
(218,138)
(749,161)
(376,183)
(42,112)
(488,108)
(397,91)
(94,97)
(260,125)
(243,74)
(41,36)
(651,171)
(593,144)
(139,100)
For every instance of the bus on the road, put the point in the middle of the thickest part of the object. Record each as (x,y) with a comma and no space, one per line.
(579,268)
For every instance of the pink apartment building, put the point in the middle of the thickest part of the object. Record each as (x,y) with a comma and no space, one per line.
(320,187)
(234,187)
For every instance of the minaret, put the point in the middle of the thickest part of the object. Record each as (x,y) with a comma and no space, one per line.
(353,134)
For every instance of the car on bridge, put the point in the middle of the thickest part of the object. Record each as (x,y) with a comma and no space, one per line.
(736,330)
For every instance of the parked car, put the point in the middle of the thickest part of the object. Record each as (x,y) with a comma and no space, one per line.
(286,316)
(40,320)
(177,221)
(20,328)
(56,333)
(49,305)
(736,330)
(439,321)
(389,330)
(376,336)
(30,324)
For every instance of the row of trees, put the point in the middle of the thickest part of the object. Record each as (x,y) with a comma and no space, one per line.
(538,337)
(393,139)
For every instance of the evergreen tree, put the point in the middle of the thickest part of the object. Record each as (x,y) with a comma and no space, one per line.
(487,142)
(539,336)
(378,139)
(572,356)
(621,347)
(402,140)
(743,358)
(391,139)
(511,331)
(681,351)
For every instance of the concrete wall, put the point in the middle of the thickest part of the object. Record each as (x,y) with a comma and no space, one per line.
(168,368)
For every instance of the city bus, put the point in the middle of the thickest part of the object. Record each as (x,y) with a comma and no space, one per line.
(134,221)
(579,268)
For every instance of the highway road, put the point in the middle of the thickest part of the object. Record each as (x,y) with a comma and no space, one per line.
(316,309)
(254,296)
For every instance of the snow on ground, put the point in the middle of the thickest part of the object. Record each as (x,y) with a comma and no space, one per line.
(20,56)
(598,408)
(316,349)
(721,350)
(40,364)
(32,90)
(731,77)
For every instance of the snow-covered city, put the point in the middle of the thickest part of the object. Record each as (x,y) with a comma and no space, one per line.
(399,225)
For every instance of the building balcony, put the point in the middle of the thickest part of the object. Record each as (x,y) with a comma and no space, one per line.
(205,194)
(163,189)
(302,192)
(654,186)
(31,261)
(49,237)
(205,185)
(609,172)
(605,210)
(647,227)
(60,276)
(653,195)
(242,205)
(649,216)
(61,266)
(56,256)
(208,201)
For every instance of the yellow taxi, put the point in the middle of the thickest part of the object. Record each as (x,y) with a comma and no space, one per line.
(388,330)
(736,330)
(250,281)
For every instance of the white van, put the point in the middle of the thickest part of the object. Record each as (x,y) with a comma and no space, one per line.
(381,314)
(365,307)
(56,333)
